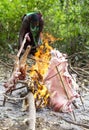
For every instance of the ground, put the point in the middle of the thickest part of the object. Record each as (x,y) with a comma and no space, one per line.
(13,118)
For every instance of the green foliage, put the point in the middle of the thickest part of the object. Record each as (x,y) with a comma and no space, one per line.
(67,19)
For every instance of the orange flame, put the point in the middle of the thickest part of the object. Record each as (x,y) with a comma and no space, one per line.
(38,71)
(48,38)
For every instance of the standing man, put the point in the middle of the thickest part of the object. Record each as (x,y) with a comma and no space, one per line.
(31,29)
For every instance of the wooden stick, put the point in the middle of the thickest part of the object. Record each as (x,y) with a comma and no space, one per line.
(82,101)
(72,114)
(32,111)
(21,48)
(4,101)
(62,82)
(75,123)
(14,98)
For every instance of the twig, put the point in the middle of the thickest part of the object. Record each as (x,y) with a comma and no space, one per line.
(81,70)
(18,88)
(86,89)
(77,72)
(7,65)
(77,53)
(14,98)
(62,82)
(72,114)
(81,99)
(75,123)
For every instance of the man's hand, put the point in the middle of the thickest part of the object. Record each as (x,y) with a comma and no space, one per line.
(27,37)
(39,42)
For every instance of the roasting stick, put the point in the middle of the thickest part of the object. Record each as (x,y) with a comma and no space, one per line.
(72,114)
(21,48)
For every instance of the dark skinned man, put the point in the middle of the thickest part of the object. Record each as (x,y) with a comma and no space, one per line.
(31,29)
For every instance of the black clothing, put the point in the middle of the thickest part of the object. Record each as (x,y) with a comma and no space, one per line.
(34,33)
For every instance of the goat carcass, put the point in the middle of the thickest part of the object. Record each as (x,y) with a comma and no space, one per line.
(60,84)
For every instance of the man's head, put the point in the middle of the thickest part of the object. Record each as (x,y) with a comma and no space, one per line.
(34,20)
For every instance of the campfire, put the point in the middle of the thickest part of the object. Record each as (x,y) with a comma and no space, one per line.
(51,83)
(48,81)
(37,73)
(54,85)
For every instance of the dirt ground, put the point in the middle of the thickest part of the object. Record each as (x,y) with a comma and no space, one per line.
(13,118)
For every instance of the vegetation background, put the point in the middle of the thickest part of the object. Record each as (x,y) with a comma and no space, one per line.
(64,19)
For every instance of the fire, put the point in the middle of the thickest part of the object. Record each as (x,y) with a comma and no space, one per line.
(49,38)
(38,71)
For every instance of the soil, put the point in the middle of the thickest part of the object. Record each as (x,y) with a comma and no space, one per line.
(13,118)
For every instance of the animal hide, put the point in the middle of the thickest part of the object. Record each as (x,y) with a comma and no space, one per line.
(60,84)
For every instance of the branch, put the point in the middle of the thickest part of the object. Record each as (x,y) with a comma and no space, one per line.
(7,65)
(14,98)
(77,72)
(32,111)
(75,123)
